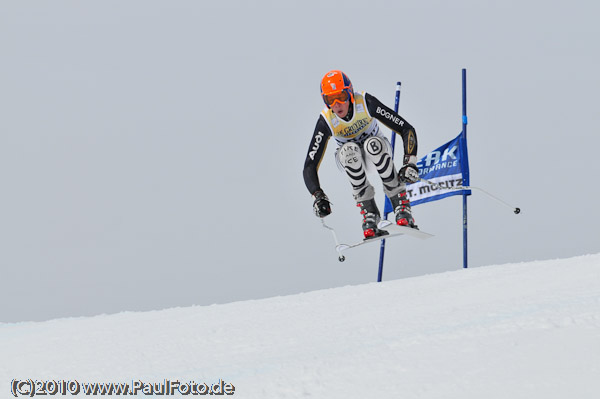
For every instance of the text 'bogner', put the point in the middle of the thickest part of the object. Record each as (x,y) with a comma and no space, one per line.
(389,116)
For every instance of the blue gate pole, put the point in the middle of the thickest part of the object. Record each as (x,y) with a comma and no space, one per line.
(388,206)
(464,135)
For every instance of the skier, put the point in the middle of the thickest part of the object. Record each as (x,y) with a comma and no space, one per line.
(351,118)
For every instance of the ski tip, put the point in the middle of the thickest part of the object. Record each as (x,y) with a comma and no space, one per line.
(342,247)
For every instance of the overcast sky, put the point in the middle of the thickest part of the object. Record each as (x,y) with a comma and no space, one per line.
(151,152)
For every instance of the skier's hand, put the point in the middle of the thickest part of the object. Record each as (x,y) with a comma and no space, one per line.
(409,173)
(321,206)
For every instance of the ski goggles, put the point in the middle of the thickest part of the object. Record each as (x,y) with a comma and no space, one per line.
(331,99)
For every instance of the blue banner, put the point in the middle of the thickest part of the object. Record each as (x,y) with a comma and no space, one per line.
(447,166)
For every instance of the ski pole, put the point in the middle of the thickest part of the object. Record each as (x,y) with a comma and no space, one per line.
(516,210)
(341,257)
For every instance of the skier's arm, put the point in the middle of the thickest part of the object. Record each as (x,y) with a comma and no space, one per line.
(392,120)
(314,155)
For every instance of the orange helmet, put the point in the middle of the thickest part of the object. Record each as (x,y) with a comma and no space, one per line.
(335,86)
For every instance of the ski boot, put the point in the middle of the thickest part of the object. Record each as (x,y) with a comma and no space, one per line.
(371,218)
(401,205)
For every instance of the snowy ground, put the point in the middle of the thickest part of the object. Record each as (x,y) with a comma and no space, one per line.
(529,330)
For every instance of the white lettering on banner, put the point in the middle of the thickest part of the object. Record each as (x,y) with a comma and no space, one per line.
(438,166)
(449,152)
(436,156)
(318,139)
(389,116)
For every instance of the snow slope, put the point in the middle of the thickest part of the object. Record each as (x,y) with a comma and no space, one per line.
(529,330)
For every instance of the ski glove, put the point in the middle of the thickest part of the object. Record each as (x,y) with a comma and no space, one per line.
(321,206)
(409,173)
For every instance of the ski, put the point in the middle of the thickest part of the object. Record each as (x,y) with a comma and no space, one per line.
(392,229)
